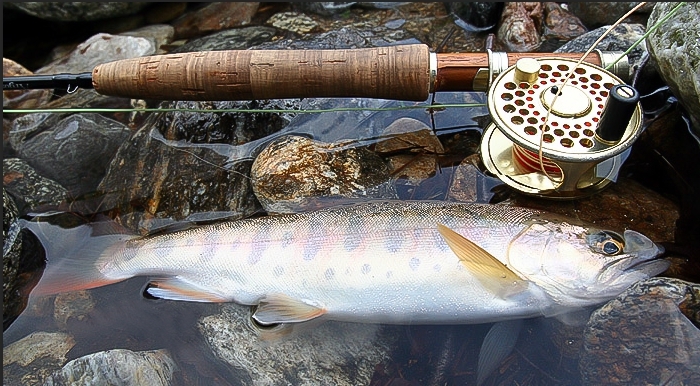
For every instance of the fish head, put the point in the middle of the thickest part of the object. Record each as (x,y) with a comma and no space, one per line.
(580,265)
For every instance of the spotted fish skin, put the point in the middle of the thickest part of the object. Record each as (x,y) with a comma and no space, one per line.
(383,262)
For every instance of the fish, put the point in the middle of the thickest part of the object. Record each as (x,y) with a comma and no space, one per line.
(390,262)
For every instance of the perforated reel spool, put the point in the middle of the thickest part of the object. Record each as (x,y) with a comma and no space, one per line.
(576,161)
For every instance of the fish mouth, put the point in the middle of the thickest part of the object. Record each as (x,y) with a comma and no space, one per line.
(641,257)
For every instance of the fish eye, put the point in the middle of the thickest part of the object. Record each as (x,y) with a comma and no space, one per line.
(606,242)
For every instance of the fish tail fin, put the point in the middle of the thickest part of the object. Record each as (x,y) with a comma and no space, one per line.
(74,256)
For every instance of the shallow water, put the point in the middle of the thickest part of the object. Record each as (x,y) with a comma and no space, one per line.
(423,355)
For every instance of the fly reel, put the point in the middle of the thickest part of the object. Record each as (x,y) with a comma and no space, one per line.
(557,139)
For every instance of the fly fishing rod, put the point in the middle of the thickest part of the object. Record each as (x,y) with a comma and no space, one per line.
(597,116)
(404,72)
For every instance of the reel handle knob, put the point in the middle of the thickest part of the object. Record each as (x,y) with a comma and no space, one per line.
(617,113)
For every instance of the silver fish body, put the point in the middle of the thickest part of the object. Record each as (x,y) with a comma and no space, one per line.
(387,262)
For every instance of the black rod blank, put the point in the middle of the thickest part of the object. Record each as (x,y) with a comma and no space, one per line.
(57,81)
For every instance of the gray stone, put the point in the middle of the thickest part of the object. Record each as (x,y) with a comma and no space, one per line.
(30,360)
(98,49)
(35,190)
(230,39)
(648,335)
(77,10)
(620,39)
(81,142)
(292,169)
(330,353)
(675,48)
(293,21)
(160,34)
(117,367)
(597,14)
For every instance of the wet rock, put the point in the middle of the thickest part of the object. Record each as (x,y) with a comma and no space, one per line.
(231,39)
(325,8)
(98,49)
(11,255)
(33,189)
(84,142)
(293,168)
(411,148)
(183,165)
(77,11)
(560,25)
(476,16)
(645,336)
(293,21)
(213,17)
(597,14)
(620,39)
(32,359)
(117,367)
(675,47)
(625,204)
(329,353)
(72,305)
(520,26)
(470,183)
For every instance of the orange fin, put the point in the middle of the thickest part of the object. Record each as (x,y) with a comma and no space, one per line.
(175,288)
(492,274)
(278,308)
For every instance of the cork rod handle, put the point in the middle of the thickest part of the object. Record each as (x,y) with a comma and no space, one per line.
(395,72)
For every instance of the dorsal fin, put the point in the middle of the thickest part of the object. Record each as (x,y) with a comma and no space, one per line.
(492,274)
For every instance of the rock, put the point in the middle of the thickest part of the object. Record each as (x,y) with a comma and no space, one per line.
(160,34)
(475,16)
(330,353)
(560,25)
(520,26)
(77,11)
(230,39)
(625,204)
(294,22)
(213,17)
(98,49)
(72,305)
(294,168)
(620,39)
(647,335)
(182,165)
(84,142)
(11,255)
(597,14)
(33,189)
(117,367)
(411,148)
(675,48)
(470,183)
(30,360)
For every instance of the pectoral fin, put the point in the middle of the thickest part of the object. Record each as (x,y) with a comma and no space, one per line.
(274,309)
(175,288)
(492,274)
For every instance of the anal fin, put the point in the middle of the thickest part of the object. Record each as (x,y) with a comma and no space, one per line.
(493,275)
(176,288)
(278,308)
